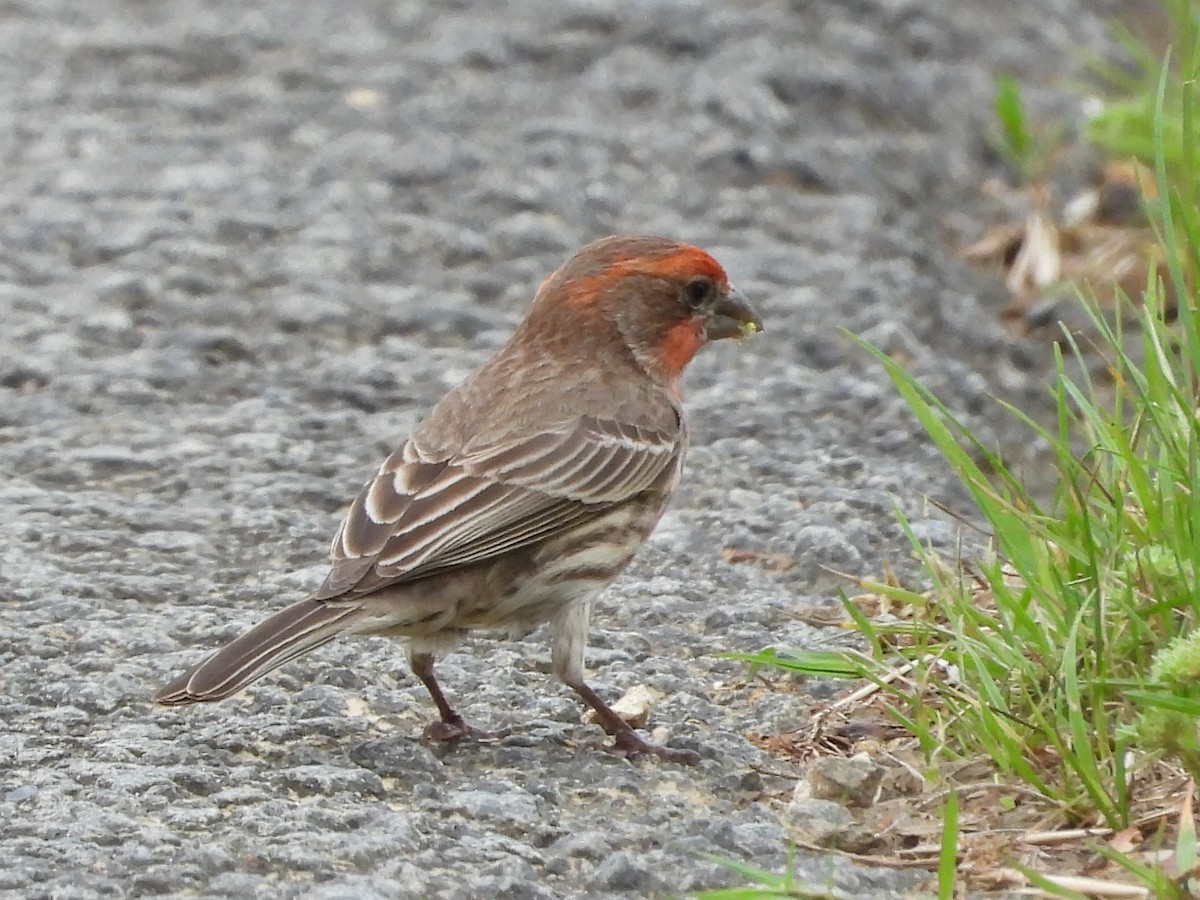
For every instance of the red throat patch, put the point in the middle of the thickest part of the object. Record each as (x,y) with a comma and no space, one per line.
(679,345)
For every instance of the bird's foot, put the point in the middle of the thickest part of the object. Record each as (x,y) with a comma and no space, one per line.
(455,729)
(632,746)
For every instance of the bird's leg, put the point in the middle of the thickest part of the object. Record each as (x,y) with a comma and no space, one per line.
(569,635)
(625,738)
(451,727)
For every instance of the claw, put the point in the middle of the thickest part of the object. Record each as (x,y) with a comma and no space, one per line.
(457,730)
(632,746)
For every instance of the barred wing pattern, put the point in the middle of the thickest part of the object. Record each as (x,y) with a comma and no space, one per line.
(420,515)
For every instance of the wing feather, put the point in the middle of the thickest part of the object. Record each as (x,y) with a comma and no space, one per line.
(519,534)
(420,515)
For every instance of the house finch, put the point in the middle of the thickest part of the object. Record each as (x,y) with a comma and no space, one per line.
(527,489)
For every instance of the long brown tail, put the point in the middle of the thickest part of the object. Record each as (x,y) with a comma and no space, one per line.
(289,633)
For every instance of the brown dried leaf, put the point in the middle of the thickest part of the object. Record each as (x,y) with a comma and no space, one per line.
(1038,264)
(1125,840)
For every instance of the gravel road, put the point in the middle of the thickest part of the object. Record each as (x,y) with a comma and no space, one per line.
(245,245)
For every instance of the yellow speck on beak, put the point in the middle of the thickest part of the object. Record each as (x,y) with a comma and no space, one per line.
(748,329)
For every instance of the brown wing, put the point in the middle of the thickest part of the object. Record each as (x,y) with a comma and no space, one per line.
(421,515)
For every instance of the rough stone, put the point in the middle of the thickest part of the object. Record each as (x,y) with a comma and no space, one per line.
(820,822)
(850,780)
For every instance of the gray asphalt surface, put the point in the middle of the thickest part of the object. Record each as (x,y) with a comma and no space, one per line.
(245,245)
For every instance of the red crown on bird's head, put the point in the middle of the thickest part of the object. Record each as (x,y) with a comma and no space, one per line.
(603,263)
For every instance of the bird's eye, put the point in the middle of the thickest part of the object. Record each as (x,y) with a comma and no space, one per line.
(697,292)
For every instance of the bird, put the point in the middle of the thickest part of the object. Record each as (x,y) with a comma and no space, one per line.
(526,489)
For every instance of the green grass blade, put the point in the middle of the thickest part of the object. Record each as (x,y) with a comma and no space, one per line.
(948,857)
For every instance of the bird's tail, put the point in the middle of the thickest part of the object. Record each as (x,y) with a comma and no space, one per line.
(268,645)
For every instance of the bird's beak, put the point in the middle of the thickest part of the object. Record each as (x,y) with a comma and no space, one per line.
(732,316)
